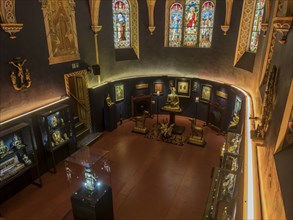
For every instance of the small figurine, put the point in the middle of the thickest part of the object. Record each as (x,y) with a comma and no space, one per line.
(26,160)
(90,179)
(54,121)
(4,150)
(109,101)
(16,142)
(106,167)
(57,137)
(68,174)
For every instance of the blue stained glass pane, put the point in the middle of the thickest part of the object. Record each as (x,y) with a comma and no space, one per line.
(121,23)
(256,28)
(206,24)
(175,26)
(191,23)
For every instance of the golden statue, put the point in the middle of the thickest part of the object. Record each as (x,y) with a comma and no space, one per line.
(172,101)
(140,123)
(109,101)
(196,134)
(24,77)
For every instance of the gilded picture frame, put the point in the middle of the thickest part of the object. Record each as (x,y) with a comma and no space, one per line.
(183,87)
(206,93)
(158,87)
(60,26)
(119,92)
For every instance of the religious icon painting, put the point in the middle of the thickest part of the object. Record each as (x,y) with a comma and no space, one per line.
(206,92)
(119,92)
(237,106)
(183,87)
(194,86)
(60,26)
(158,88)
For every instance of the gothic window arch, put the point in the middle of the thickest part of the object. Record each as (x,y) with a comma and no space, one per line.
(125,25)
(256,25)
(189,23)
(249,30)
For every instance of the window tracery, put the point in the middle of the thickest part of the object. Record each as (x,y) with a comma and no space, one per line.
(189,23)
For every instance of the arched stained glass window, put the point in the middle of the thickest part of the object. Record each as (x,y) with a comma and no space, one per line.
(191,23)
(121,23)
(256,26)
(194,27)
(206,24)
(175,27)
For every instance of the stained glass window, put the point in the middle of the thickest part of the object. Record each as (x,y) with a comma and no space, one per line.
(194,27)
(206,24)
(175,27)
(121,23)
(256,27)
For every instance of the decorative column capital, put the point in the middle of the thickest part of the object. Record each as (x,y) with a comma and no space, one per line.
(225,28)
(282,25)
(264,28)
(8,18)
(96,28)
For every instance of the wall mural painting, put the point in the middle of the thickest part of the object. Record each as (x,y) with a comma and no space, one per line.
(59,18)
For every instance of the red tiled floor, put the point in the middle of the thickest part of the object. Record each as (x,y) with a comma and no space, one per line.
(150,179)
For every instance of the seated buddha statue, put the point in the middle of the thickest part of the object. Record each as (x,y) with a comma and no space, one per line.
(172,101)
(109,101)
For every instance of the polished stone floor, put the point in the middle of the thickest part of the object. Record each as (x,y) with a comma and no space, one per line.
(150,179)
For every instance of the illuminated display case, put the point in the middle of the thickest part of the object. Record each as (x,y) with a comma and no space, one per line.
(18,153)
(222,197)
(88,174)
(57,131)
(222,200)
(233,141)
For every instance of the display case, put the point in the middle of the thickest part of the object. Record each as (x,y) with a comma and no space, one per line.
(18,154)
(57,131)
(222,197)
(233,141)
(88,174)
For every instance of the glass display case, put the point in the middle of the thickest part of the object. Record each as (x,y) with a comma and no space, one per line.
(57,131)
(88,174)
(233,141)
(17,153)
(222,200)
(222,197)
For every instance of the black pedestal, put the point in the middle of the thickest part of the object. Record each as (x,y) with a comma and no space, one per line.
(110,119)
(93,205)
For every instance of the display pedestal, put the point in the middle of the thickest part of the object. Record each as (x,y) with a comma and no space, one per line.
(177,129)
(110,119)
(92,205)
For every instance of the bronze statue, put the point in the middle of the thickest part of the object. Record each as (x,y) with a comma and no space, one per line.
(21,80)
(140,123)
(109,101)
(196,134)
(172,101)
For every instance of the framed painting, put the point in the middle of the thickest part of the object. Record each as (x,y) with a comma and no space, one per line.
(194,86)
(142,86)
(183,88)
(158,88)
(60,26)
(222,94)
(206,93)
(119,92)
(237,106)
